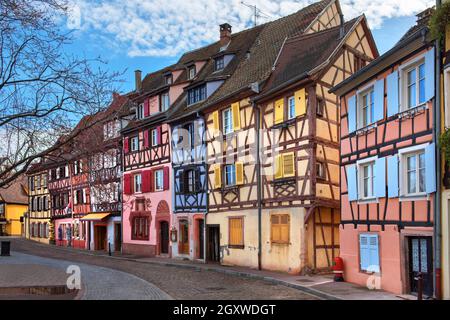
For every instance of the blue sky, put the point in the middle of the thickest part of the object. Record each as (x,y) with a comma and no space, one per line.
(150,35)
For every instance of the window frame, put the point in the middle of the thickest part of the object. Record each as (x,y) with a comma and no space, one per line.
(140,111)
(404,156)
(219,63)
(134,147)
(404,93)
(140,228)
(242,244)
(360,255)
(291,108)
(360,179)
(164,97)
(369,91)
(227,128)
(156,174)
(154,137)
(279,215)
(194,69)
(225,173)
(137,181)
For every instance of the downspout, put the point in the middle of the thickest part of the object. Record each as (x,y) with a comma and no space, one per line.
(259,180)
(437,208)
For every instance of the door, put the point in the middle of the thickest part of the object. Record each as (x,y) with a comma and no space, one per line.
(117,237)
(201,243)
(421,261)
(164,236)
(100,237)
(184,237)
(213,248)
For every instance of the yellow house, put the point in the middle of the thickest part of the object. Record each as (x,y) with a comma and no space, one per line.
(13,206)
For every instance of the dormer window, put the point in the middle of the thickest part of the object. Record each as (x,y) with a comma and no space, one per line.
(168,79)
(196,94)
(219,63)
(140,111)
(191,72)
(165,101)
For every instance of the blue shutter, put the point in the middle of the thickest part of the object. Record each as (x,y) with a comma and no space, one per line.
(392,94)
(429,75)
(393,176)
(351,117)
(364,255)
(352,183)
(378,93)
(380,178)
(430,168)
(374,257)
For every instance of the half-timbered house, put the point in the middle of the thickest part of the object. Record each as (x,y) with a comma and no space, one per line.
(388,176)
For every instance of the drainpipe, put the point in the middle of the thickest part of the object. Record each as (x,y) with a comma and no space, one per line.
(259,180)
(437,208)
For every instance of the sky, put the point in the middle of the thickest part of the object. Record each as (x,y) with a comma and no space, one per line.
(149,35)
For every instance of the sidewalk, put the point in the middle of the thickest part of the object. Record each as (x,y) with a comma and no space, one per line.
(321,286)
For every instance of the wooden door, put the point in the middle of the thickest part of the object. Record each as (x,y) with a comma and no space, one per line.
(421,261)
(201,253)
(117,237)
(184,237)
(164,236)
(213,241)
(100,238)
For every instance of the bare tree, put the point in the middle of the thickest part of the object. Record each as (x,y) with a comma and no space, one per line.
(44,91)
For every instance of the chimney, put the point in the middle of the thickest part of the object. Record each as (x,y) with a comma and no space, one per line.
(424,16)
(342,28)
(225,34)
(138,80)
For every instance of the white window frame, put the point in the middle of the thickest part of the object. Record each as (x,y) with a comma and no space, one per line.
(359,110)
(134,144)
(165,98)
(360,185)
(154,136)
(137,183)
(291,108)
(191,72)
(403,154)
(158,178)
(367,235)
(233,171)
(227,127)
(140,111)
(403,71)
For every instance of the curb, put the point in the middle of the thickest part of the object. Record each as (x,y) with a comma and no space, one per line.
(308,290)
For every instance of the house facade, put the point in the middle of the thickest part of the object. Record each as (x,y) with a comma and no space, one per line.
(388,175)
(13,207)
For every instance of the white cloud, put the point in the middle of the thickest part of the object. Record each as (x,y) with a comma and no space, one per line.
(170,27)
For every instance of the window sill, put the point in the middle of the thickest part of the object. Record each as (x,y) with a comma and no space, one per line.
(234,246)
(411,112)
(366,129)
(367,200)
(280,243)
(414,197)
(369,272)
(283,180)
(284,124)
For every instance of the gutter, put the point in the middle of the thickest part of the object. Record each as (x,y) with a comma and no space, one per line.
(259,181)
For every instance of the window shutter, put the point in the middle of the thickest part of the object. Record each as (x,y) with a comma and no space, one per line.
(393,176)
(126,147)
(236,116)
(278,166)
(127,183)
(236,231)
(380,178)
(146,180)
(198,182)
(364,254)
(288,165)
(151,180)
(146,107)
(429,74)
(84,195)
(166,177)
(75,197)
(275,228)
(180,183)
(66,171)
(217,176)
(159,133)
(378,92)
(216,125)
(146,138)
(300,102)
(239,173)
(279,111)
(351,116)
(392,94)
(374,260)
(352,183)
(430,170)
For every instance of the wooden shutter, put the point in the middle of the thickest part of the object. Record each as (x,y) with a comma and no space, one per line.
(364,254)
(217,176)
(151,180)
(392,176)
(288,165)
(279,228)
(216,124)
(430,170)
(126,145)
(278,166)
(159,135)
(180,181)
(392,94)
(351,116)
(352,183)
(146,138)
(380,178)
(84,195)
(127,184)
(300,102)
(166,177)
(146,180)
(275,228)
(374,258)
(236,112)
(146,107)
(279,111)
(236,232)
(239,173)
(378,93)
(429,74)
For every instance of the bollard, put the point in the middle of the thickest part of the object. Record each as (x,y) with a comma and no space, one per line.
(6,248)
(419,280)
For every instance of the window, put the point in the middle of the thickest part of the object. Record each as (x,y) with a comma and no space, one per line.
(369,252)
(140,111)
(165,101)
(414,85)
(140,228)
(188,133)
(291,107)
(53,174)
(168,79)
(137,183)
(2,209)
(219,63)
(358,62)
(320,107)
(135,144)
(285,165)
(155,137)
(279,231)
(190,181)
(77,168)
(366,108)
(32,183)
(415,173)
(227,121)
(230,175)
(38,182)
(367,180)
(159,180)
(191,72)
(320,170)
(196,94)
(44,180)
(236,232)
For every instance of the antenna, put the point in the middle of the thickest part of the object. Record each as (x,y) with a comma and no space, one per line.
(257,13)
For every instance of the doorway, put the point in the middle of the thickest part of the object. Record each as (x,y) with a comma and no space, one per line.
(201,243)
(117,237)
(164,236)
(213,240)
(421,261)
(184,237)
(100,237)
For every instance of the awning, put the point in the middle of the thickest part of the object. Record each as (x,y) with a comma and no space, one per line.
(95,216)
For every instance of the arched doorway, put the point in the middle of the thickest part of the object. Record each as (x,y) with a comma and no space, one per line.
(162,223)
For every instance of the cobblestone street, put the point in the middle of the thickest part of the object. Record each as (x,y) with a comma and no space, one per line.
(177,283)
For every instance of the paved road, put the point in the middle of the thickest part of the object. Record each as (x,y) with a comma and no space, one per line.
(178,283)
(98,283)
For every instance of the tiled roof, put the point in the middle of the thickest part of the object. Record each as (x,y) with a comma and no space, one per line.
(16,192)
